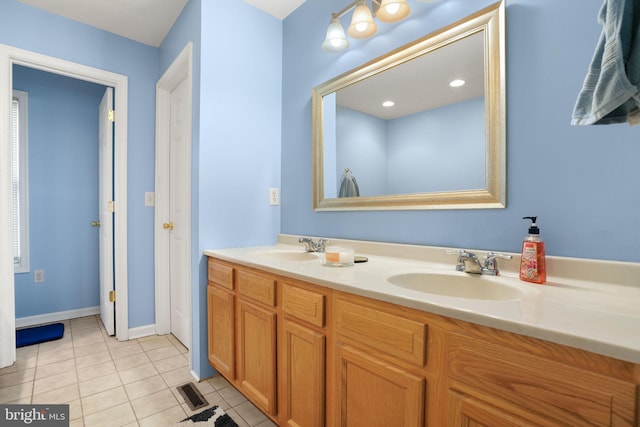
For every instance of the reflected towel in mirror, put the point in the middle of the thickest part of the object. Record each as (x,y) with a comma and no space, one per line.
(349,185)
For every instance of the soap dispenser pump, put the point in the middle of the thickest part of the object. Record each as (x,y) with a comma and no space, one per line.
(532,264)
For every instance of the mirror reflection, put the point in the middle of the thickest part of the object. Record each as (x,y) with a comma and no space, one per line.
(421,127)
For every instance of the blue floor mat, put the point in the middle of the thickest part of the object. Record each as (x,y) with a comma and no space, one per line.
(38,334)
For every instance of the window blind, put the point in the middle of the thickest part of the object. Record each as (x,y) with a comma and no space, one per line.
(15,179)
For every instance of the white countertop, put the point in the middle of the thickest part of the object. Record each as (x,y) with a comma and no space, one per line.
(589,304)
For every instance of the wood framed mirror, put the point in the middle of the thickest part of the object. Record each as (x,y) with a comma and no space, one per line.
(438,147)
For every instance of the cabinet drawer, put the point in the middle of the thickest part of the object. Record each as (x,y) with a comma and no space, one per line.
(256,287)
(382,330)
(220,274)
(303,304)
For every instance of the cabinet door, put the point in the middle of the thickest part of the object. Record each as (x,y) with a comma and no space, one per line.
(303,362)
(257,354)
(221,309)
(374,393)
(466,411)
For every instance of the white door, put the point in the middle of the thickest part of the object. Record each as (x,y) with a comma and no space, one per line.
(105,195)
(180,210)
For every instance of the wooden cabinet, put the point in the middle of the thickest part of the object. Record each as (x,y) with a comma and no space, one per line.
(256,338)
(221,314)
(487,379)
(221,318)
(303,356)
(309,356)
(375,387)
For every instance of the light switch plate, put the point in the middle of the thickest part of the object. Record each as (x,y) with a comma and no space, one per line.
(149,199)
(274,197)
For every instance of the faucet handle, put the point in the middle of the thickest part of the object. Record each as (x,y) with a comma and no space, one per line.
(490,264)
(460,266)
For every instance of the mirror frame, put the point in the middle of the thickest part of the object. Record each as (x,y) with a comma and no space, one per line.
(491,21)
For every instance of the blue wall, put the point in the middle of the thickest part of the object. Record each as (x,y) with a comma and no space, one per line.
(32,29)
(63,182)
(427,151)
(236,136)
(581,181)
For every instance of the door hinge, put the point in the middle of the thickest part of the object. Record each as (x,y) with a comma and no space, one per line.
(112,296)
(111,206)
(111,115)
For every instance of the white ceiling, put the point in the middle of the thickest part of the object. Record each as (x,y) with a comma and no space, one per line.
(145,21)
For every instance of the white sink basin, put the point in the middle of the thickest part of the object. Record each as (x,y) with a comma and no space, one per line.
(288,255)
(463,285)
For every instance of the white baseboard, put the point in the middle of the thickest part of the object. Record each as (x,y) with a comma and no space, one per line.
(56,317)
(142,331)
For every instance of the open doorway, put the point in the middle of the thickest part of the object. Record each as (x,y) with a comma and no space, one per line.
(9,57)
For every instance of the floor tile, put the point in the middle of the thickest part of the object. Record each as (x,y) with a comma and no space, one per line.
(250,413)
(97,385)
(55,356)
(93,359)
(113,417)
(64,394)
(44,371)
(19,377)
(131,361)
(163,352)
(15,392)
(154,342)
(153,403)
(54,382)
(107,382)
(104,400)
(166,418)
(171,363)
(85,350)
(138,373)
(145,387)
(177,377)
(86,373)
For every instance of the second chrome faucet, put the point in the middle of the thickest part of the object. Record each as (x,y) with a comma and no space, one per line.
(469,262)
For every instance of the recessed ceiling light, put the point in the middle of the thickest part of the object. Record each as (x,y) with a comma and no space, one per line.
(457,83)
(388,104)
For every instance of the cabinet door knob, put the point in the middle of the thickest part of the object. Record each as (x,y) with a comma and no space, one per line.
(168,225)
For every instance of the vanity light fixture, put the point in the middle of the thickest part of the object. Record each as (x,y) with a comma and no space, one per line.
(362,23)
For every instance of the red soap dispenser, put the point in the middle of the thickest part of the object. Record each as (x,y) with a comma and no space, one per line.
(532,264)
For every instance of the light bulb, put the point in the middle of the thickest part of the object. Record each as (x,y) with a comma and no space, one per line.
(393,10)
(362,25)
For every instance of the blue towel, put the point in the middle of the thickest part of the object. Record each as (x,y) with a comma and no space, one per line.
(610,91)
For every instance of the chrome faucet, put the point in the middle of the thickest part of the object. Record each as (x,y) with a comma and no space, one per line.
(469,262)
(312,246)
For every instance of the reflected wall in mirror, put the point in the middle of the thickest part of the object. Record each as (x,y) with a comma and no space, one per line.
(438,146)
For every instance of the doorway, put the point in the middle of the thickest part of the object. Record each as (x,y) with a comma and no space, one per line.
(173,199)
(10,56)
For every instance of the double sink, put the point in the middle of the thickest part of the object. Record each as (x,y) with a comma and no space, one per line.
(451,284)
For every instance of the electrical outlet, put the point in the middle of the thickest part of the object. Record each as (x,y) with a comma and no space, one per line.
(274,197)
(38,276)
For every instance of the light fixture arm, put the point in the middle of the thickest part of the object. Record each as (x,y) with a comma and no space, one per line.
(375,5)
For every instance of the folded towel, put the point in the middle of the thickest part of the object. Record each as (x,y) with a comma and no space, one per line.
(610,92)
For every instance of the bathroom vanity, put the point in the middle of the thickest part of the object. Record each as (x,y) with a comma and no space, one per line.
(312,345)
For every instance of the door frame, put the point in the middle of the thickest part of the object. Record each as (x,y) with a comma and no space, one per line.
(9,56)
(178,71)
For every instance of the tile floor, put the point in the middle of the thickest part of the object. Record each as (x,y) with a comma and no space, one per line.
(111,383)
